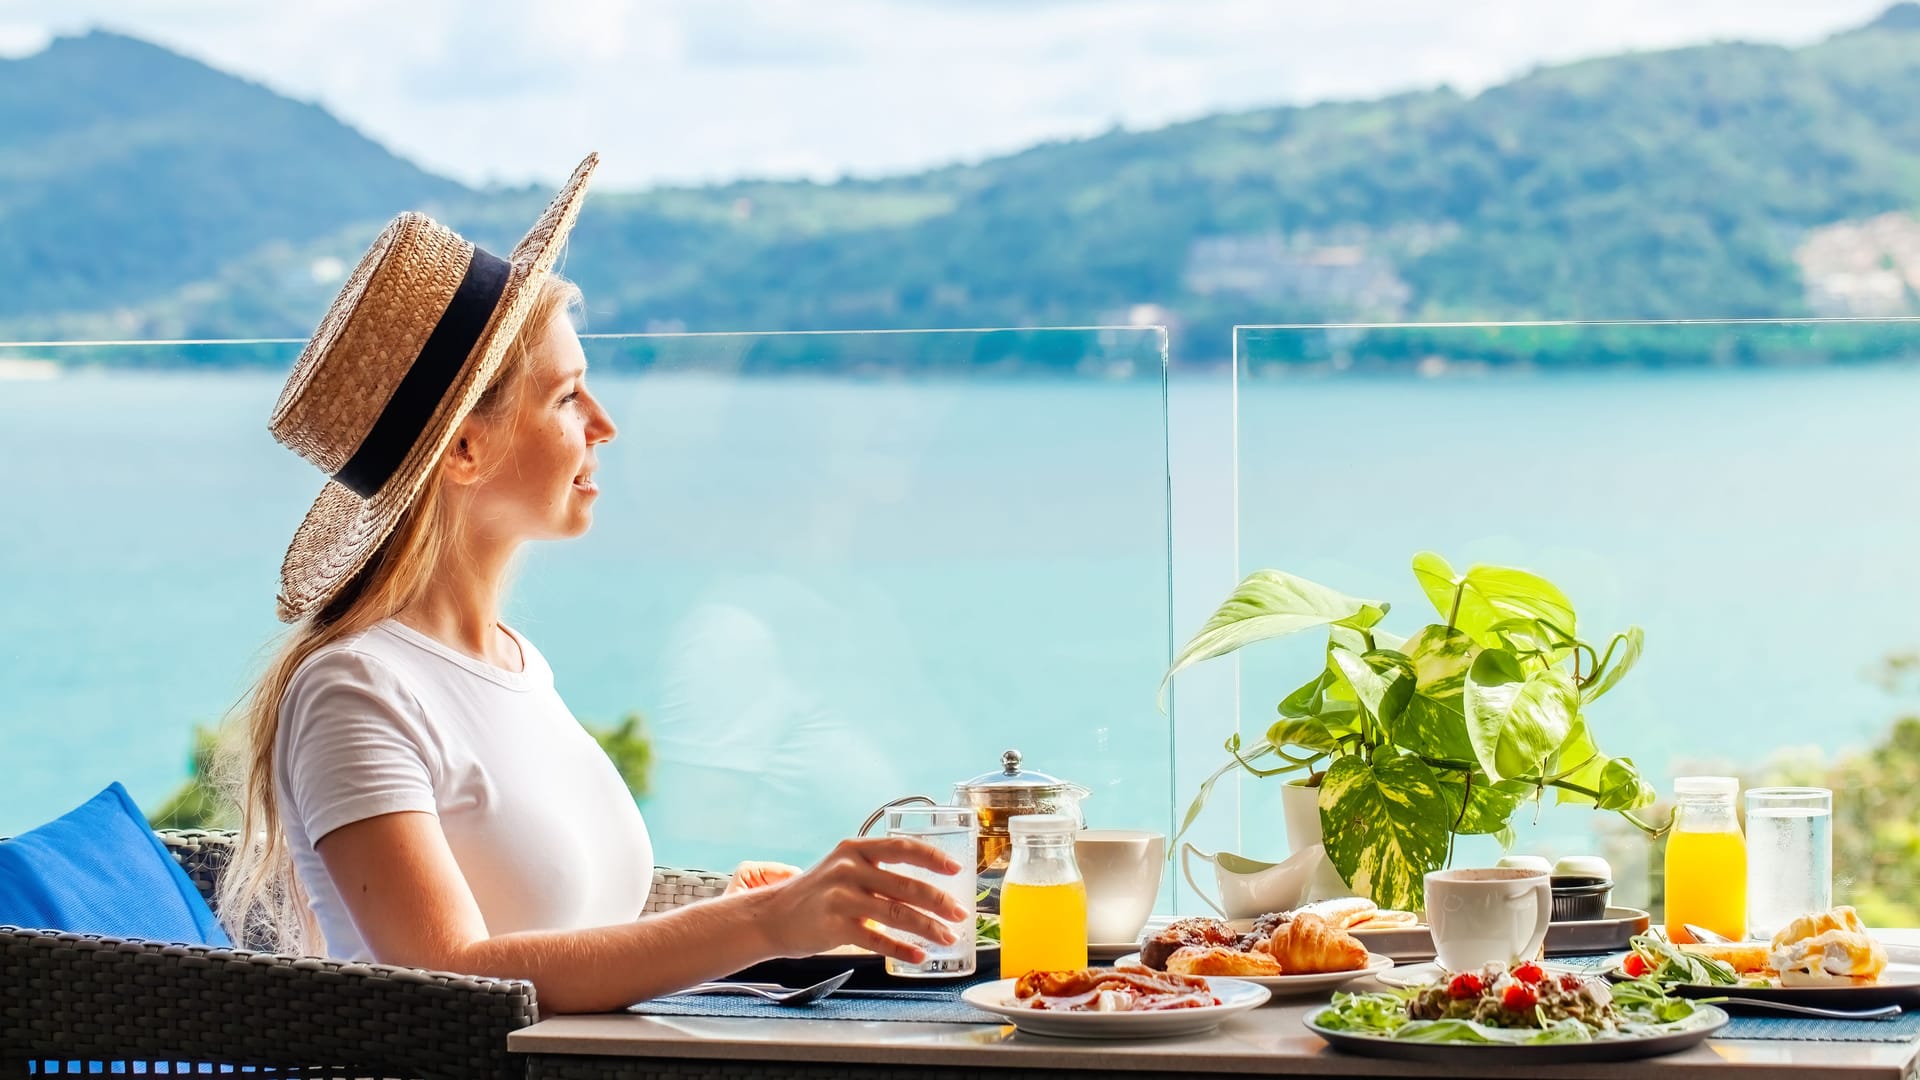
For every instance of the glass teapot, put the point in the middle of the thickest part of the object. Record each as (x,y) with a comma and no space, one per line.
(995,797)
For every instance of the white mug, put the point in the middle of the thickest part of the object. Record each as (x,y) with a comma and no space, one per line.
(1481,917)
(1121,869)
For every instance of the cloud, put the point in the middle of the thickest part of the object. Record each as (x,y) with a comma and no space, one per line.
(699,90)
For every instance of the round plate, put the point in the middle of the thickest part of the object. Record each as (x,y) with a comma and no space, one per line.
(869,969)
(1708,1020)
(1298,985)
(1236,996)
(1899,985)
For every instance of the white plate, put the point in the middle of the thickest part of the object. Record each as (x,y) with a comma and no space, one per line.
(1297,985)
(1236,996)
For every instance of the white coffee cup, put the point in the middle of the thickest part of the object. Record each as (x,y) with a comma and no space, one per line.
(1121,868)
(1493,916)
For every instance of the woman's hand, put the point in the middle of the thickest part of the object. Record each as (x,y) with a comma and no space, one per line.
(831,904)
(758,875)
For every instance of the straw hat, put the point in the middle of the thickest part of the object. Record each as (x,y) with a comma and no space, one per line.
(408,346)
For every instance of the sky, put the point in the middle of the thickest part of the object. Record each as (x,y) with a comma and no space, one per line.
(699,91)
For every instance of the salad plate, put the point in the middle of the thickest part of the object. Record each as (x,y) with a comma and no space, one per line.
(1523,1018)
(1235,996)
(1298,985)
(1689,976)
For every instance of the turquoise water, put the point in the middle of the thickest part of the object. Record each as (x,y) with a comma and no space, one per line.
(824,594)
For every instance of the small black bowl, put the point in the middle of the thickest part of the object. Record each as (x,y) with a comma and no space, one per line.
(1580,899)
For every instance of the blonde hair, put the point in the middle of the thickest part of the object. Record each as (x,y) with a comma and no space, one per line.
(260,901)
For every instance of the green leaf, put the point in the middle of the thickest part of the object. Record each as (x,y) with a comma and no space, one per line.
(1382,681)
(1268,604)
(1385,826)
(1306,732)
(1489,807)
(1367,617)
(1434,728)
(1616,667)
(1488,595)
(1306,700)
(1543,640)
(1517,720)
(1616,780)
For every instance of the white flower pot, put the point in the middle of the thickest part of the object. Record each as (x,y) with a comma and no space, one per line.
(1300,805)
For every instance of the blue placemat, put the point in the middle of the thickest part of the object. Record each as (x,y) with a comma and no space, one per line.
(949,1010)
(1902,1028)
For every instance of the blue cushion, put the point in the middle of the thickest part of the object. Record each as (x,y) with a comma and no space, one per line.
(100,870)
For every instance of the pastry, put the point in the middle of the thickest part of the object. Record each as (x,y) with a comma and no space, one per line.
(1181,933)
(1386,919)
(1744,957)
(1214,960)
(1827,948)
(1342,913)
(1309,944)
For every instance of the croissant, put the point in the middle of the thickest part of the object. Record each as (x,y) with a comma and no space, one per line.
(1205,960)
(1309,945)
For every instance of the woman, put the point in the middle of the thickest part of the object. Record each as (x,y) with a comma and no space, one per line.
(417,791)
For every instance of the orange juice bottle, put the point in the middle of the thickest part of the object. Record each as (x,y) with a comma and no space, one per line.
(1043,902)
(1706,859)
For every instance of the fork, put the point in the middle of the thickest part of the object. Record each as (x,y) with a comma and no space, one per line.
(773,992)
(1885,1012)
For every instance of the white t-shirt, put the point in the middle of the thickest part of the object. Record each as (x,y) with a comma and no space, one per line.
(544,830)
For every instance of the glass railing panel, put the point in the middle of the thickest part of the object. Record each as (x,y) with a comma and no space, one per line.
(827,570)
(1745,492)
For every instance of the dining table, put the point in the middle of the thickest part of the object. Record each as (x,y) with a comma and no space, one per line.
(1272,1040)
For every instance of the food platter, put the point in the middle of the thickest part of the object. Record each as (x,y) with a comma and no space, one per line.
(1898,985)
(1235,995)
(1705,1021)
(1405,943)
(1298,985)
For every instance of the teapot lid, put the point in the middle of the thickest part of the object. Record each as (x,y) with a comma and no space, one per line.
(1011,775)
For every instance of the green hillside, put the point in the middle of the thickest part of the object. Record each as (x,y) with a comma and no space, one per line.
(127,171)
(1684,183)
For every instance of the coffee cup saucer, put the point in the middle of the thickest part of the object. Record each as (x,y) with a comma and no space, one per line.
(1420,976)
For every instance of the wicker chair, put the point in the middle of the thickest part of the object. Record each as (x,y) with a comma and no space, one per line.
(83,999)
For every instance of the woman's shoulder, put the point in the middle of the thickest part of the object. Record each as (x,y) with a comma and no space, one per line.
(366,664)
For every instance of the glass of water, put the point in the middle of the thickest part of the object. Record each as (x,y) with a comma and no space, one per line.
(952,829)
(1789,856)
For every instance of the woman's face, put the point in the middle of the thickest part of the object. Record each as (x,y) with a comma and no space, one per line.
(534,463)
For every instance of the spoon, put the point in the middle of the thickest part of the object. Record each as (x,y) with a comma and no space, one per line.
(774,992)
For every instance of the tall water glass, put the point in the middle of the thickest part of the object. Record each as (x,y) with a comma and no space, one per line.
(953,830)
(1789,856)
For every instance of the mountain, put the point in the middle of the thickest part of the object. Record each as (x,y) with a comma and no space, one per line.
(127,171)
(1726,180)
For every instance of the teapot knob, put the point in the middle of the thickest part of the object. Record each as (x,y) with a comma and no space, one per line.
(1010,762)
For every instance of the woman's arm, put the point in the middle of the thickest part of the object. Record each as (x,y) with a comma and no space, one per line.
(412,906)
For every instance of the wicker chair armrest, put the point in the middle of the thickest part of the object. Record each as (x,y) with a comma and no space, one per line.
(674,888)
(88,998)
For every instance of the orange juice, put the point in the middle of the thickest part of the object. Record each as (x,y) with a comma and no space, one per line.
(1043,928)
(1707,883)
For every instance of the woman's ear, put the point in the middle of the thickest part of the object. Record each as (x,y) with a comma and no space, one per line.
(461,465)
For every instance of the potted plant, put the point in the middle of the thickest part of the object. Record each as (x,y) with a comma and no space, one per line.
(1414,741)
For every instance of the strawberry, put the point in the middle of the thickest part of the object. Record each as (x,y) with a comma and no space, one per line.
(1465,986)
(1518,998)
(1529,973)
